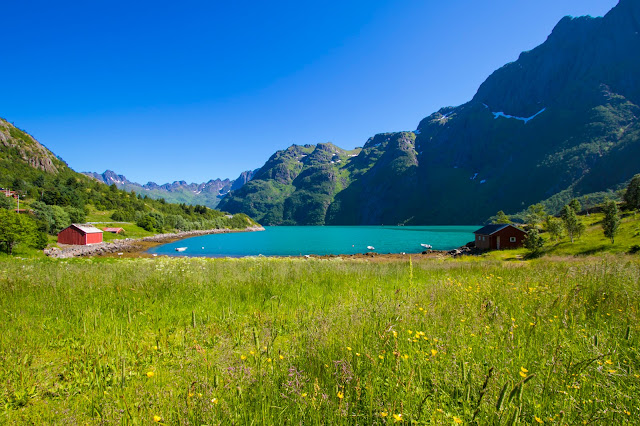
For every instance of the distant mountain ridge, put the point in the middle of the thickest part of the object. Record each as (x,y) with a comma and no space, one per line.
(561,119)
(207,193)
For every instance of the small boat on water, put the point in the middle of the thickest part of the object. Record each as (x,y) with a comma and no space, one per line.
(181,248)
(427,246)
(371,247)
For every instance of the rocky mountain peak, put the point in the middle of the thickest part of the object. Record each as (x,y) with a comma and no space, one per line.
(28,149)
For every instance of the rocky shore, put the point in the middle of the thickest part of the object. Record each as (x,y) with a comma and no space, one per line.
(133,245)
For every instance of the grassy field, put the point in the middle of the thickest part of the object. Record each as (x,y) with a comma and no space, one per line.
(273,341)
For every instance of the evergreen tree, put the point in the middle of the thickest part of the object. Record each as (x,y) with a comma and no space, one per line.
(611,221)
(572,223)
(501,217)
(632,194)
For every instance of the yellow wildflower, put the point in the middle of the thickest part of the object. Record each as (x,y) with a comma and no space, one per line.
(281,357)
(150,373)
(157,418)
(304,395)
(383,414)
(612,371)
(457,420)
(252,352)
(243,357)
(214,401)
(434,352)
(357,354)
(524,370)
(348,348)
(340,394)
(397,417)
(268,359)
(608,362)
(538,419)
(381,356)
(522,374)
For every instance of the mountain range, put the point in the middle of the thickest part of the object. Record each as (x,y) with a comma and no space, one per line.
(207,193)
(561,121)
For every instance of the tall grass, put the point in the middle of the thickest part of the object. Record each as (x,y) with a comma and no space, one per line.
(272,341)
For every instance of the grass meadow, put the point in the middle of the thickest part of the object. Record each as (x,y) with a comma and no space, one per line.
(295,341)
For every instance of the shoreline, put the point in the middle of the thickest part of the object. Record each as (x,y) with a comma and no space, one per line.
(138,247)
(134,247)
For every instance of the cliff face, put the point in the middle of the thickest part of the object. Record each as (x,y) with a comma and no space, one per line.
(563,117)
(18,146)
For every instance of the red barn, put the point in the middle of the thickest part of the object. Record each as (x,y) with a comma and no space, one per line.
(500,236)
(78,234)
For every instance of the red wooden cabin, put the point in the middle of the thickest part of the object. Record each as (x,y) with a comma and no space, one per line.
(78,234)
(500,236)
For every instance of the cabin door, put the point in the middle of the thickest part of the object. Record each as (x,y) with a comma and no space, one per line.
(498,242)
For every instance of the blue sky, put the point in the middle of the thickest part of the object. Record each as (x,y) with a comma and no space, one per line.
(194,90)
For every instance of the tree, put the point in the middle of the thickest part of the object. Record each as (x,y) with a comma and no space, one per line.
(55,217)
(631,196)
(501,217)
(611,221)
(572,224)
(15,228)
(7,202)
(533,242)
(536,214)
(39,181)
(575,205)
(554,227)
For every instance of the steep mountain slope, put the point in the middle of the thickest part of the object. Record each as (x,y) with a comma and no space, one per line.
(295,186)
(19,149)
(207,193)
(563,117)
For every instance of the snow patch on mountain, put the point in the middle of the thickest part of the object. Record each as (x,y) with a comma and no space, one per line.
(525,119)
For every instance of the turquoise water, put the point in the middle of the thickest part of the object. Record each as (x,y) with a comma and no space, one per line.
(321,240)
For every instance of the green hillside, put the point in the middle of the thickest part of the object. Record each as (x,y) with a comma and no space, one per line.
(58,196)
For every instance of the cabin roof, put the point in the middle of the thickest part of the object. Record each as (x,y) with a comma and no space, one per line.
(492,229)
(87,229)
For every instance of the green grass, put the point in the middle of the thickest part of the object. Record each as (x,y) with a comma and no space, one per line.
(290,341)
(593,241)
(131,230)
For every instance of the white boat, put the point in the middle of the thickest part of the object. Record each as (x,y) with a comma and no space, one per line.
(181,248)
(371,247)
(427,246)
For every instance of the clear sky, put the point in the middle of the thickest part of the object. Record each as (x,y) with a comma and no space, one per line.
(194,90)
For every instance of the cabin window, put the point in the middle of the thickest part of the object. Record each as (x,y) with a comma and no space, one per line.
(512,239)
